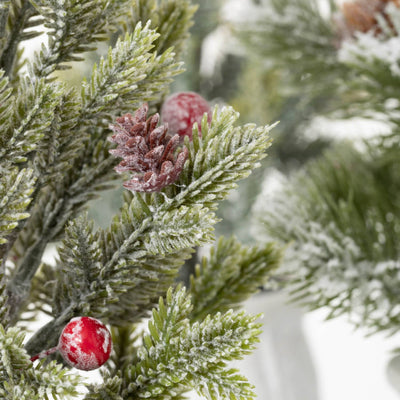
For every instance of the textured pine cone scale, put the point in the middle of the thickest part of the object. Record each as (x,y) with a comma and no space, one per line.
(148,151)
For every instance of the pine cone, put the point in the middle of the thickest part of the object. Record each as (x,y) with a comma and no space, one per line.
(147,151)
(360,16)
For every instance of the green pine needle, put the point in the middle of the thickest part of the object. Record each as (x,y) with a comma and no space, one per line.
(230,275)
(202,351)
(16,187)
(18,376)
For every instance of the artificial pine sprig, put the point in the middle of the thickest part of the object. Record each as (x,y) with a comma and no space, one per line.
(56,153)
(31,118)
(130,74)
(230,275)
(6,105)
(18,376)
(202,351)
(149,241)
(143,75)
(66,40)
(171,18)
(21,18)
(343,252)
(340,214)
(16,187)
(224,154)
(306,56)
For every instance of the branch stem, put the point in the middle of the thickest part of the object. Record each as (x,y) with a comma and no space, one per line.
(48,336)
(8,57)
(4,9)
(44,353)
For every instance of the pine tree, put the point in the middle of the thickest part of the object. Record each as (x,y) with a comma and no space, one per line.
(56,148)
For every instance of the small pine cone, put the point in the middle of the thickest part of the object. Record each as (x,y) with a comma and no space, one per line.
(360,16)
(147,151)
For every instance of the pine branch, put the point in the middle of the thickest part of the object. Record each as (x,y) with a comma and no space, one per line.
(340,217)
(131,74)
(16,187)
(64,20)
(21,16)
(4,10)
(306,57)
(19,378)
(92,163)
(56,205)
(376,69)
(178,356)
(33,113)
(109,389)
(172,19)
(3,302)
(59,147)
(154,233)
(139,255)
(223,155)
(230,275)
(133,255)
(7,102)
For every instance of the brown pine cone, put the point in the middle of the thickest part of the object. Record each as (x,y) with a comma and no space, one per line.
(360,15)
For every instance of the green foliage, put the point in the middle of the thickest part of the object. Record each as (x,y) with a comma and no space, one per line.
(33,115)
(340,218)
(305,57)
(178,355)
(376,80)
(224,154)
(139,255)
(143,76)
(18,377)
(171,18)
(131,74)
(67,40)
(134,254)
(6,104)
(16,188)
(55,158)
(230,275)
(58,147)
(129,256)
(21,17)
(339,215)
(109,389)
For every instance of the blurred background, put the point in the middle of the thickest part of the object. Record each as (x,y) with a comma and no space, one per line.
(301,356)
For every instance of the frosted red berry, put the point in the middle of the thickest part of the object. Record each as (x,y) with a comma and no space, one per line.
(181,110)
(85,343)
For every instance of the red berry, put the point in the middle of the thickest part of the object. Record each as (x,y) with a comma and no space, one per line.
(181,110)
(85,343)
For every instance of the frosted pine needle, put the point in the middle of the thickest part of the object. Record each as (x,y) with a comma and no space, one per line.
(147,151)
